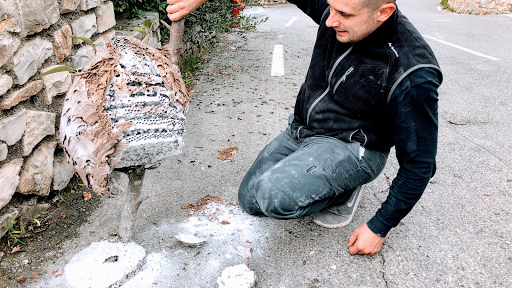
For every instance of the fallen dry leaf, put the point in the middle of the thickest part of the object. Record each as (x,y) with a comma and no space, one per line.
(15,249)
(243,251)
(62,216)
(57,272)
(87,196)
(35,276)
(487,194)
(225,155)
(81,184)
(190,240)
(248,241)
(225,222)
(21,279)
(72,191)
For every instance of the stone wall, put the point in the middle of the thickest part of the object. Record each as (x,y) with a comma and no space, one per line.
(35,36)
(481,7)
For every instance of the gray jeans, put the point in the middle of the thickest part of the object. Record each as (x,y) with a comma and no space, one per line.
(292,179)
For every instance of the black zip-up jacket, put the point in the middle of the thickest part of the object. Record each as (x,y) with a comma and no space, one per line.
(381,92)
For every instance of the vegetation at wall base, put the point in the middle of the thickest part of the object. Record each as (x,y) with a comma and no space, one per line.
(445,5)
(202,27)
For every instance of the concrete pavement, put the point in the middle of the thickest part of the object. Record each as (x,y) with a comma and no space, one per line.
(459,234)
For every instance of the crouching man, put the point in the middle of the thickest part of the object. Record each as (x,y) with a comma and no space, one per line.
(371,85)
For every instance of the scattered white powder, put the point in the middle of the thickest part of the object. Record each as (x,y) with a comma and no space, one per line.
(149,273)
(238,276)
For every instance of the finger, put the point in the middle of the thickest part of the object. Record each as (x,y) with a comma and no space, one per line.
(352,239)
(353,250)
(175,16)
(175,8)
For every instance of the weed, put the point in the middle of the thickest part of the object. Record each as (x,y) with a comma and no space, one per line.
(13,234)
(447,6)
(190,65)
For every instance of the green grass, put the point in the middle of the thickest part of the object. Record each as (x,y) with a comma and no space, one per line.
(445,5)
(190,65)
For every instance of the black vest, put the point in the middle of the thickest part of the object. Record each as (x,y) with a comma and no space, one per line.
(348,86)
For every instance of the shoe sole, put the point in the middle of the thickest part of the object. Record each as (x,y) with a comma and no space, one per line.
(342,224)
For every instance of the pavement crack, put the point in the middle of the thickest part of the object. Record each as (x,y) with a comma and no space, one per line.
(384,269)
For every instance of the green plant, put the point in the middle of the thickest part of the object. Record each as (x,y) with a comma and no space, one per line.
(447,6)
(13,234)
(148,24)
(190,65)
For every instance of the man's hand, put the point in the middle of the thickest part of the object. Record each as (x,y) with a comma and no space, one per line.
(363,241)
(178,9)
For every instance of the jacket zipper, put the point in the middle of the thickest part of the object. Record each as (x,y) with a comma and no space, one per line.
(342,79)
(328,83)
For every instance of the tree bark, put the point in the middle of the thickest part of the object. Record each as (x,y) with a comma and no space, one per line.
(132,201)
(173,49)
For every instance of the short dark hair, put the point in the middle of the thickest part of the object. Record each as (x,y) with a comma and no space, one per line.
(375,4)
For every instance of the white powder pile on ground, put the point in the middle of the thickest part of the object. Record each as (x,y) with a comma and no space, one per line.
(238,276)
(148,275)
(89,268)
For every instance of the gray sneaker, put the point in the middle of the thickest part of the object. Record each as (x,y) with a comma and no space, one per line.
(339,216)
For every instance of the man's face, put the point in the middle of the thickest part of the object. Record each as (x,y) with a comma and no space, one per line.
(352,21)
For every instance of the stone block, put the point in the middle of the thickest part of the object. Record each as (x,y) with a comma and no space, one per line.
(84,27)
(3,14)
(62,43)
(3,151)
(9,180)
(55,84)
(36,178)
(5,219)
(105,38)
(106,18)
(132,33)
(8,25)
(32,16)
(23,94)
(82,57)
(12,127)
(30,58)
(8,46)
(30,212)
(5,84)
(62,171)
(39,125)
(88,4)
(67,6)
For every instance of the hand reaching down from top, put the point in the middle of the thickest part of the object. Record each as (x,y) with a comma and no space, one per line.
(178,9)
(363,241)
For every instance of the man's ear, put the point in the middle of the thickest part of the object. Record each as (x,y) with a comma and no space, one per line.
(385,12)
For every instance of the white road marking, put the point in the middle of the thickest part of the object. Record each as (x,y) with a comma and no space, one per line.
(509,15)
(278,61)
(462,48)
(291,21)
(439,8)
(443,20)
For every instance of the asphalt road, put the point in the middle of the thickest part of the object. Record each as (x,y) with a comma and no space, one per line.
(460,232)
